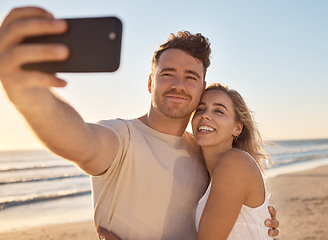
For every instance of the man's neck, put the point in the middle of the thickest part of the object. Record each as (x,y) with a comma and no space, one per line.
(161,123)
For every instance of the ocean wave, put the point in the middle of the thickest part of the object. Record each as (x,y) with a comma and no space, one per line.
(297,146)
(42,198)
(37,179)
(35,168)
(18,156)
(300,159)
(31,159)
(283,150)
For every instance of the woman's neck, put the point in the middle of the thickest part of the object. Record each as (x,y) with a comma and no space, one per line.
(212,155)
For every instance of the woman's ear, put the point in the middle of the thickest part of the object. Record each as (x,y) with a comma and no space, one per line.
(239,128)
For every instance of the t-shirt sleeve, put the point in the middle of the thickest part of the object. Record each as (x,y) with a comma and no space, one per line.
(121,128)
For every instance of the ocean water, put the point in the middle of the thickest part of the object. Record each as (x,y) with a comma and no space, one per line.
(296,155)
(38,188)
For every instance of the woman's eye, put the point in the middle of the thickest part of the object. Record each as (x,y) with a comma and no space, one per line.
(199,110)
(218,111)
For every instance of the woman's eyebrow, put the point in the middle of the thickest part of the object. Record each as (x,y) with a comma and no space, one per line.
(220,104)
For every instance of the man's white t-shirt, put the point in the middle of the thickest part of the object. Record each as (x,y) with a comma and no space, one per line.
(152,188)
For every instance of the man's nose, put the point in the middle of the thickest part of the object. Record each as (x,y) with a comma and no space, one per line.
(178,83)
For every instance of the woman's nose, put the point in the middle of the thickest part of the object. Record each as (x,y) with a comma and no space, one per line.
(205,116)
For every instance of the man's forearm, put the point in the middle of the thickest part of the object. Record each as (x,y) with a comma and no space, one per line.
(58,126)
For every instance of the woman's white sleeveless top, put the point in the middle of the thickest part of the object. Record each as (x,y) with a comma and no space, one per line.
(250,222)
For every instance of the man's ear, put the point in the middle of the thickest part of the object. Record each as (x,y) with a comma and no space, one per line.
(204,85)
(149,82)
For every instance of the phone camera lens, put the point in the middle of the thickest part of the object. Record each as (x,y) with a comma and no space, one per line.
(112,36)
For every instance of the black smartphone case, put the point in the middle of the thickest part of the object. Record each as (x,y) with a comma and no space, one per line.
(94,43)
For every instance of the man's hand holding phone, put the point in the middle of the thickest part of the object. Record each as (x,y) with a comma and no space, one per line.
(18,25)
(32,42)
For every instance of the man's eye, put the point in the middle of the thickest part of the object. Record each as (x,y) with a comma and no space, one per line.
(166,74)
(192,78)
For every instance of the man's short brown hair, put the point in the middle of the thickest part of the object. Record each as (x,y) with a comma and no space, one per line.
(194,44)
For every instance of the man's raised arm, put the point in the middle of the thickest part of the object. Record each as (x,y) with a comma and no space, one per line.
(92,147)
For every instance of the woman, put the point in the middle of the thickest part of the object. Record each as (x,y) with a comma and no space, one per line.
(236,199)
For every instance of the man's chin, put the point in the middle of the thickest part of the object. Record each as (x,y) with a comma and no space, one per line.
(176,111)
(182,114)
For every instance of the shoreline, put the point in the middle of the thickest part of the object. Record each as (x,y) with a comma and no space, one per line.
(295,167)
(301,200)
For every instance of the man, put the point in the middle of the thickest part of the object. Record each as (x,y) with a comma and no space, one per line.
(147,173)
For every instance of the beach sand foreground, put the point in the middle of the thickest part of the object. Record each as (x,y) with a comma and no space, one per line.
(70,231)
(301,200)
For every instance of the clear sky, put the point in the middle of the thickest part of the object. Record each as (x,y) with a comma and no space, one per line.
(274,52)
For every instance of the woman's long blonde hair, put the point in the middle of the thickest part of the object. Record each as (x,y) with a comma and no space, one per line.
(249,139)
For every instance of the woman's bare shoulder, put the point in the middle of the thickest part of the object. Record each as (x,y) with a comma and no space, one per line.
(235,162)
(237,157)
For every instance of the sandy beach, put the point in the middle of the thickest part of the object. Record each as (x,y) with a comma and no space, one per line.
(301,199)
(70,231)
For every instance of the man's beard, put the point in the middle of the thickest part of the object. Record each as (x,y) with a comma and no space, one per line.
(173,110)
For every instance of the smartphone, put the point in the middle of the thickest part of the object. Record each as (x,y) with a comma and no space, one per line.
(94,44)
